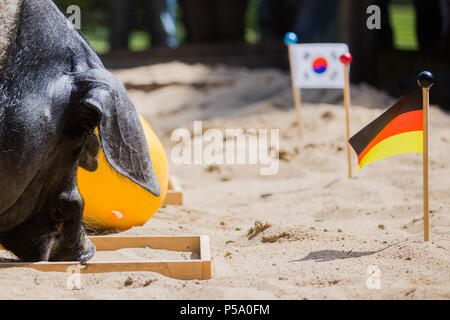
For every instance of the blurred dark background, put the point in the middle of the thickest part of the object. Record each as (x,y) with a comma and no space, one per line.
(414,35)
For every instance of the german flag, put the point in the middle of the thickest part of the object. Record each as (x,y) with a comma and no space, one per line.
(398,130)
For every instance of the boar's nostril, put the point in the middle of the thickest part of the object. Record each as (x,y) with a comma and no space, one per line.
(89,254)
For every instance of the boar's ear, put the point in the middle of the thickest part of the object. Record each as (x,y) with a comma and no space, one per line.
(122,137)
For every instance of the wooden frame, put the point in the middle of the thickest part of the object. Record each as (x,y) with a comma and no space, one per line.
(174,194)
(199,269)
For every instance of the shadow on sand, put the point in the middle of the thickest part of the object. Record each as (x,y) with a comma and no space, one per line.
(330,255)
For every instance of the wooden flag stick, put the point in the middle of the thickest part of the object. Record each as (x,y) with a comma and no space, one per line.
(425,81)
(296,95)
(426,225)
(346,60)
(289,39)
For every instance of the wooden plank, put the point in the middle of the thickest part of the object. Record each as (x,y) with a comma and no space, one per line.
(174,194)
(205,257)
(172,243)
(199,269)
(183,270)
(174,198)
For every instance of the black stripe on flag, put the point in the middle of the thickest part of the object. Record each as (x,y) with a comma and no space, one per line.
(411,102)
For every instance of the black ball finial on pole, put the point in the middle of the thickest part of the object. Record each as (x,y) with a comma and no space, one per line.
(425,79)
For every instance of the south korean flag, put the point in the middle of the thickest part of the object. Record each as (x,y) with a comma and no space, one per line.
(317,65)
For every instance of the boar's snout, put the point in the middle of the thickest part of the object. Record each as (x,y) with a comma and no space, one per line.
(55,233)
(82,250)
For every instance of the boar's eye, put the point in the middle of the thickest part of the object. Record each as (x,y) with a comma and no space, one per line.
(89,154)
(81,120)
(88,116)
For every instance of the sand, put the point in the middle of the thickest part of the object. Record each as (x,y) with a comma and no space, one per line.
(323,231)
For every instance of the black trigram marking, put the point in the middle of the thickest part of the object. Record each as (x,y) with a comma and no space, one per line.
(306,55)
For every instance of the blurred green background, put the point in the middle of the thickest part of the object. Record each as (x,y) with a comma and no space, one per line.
(414,35)
(95,21)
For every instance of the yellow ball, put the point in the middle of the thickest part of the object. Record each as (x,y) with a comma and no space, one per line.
(111,201)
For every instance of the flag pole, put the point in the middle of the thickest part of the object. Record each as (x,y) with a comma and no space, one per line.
(346,59)
(425,81)
(291,38)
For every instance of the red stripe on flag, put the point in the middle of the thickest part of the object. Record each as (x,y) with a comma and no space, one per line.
(409,121)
